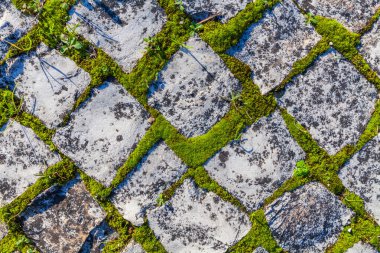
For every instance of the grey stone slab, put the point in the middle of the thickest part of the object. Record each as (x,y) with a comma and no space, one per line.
(253,169)
(3,230)
(102,133)
(193,88)
(353,14)
(22,157)
(61,218)
(332,100)
(370,47)
(361,247)
(260,250)
(271,46)
(195,220)
(98,237)
(119,27)
(309,219)
(139,191)
(361,174)
(133,247)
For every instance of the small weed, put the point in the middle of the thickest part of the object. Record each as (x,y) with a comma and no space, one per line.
(160,200)
(179,3)
(310,19)
(70,40)
(302,170)
(153,44)
(33,7)
(195,27)
(22,242)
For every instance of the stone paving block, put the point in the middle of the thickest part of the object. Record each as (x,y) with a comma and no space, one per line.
(13,25)
(98,237)
(197,221)
(193,89)
(140,190)
(47,82)
(133,247)
(370,47)
(332,100)
(361,247)
(353,14)
(265,159)
(3,230)
(22,157)
(119,27)
(102,133)
(260,250)
(60,219)
(271,46)
(362,176)
(308,219)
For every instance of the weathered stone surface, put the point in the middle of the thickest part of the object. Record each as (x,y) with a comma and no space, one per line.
(193,89)
(22,157)
(97,239)
(102,134)
(139,191)
(353,14)
(133,247)
(362,176)
(271,46)
(202,9)
(3,230)
(119,27)
(332,100)
(197,221)
(260,250)
(60,219)
(253,169)
(361,247)
(370,47)
(47,82)
(308,219)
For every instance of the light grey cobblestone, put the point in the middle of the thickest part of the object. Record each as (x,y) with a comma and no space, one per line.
(361,247)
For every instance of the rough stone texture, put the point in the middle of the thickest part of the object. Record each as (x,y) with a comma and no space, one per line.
(119,27)
(353,14)
(97,239)
(133,247)
(60,219)
(139,191)
(260,250)
(193,89)
(361,247)
(254,169)
(271,46)
(362,176)
(202,9)
(197,221)
(13,25)
(370,47)
(308,219)
(102,134)
(22,157)
(3,230)
(332,100)
(47,82)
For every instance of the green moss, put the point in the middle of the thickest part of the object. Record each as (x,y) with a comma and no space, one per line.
(145,236)
(8,106)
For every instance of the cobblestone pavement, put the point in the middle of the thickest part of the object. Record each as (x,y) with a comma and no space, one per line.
(188,126)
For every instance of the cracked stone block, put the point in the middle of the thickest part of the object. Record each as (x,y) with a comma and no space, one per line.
(193,89)
(3,230)
(133,247)
(361,174)
(23,156)
(332,100)
(308,219)
(47,82)
(254,168)
(201,9)
(353,14)
(61,218)
(98,237)
(139,191)
(370,47)
(271,46)
(102,133)
(119,27)
(195,220)
(13,25)
(260,250)
(361,247)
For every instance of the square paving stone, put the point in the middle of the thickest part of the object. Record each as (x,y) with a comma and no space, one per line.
(102,133)
(133,247)
(361,247)
(370,47)
(271,46)
(253,169)
(308,219)
(139,191)
(61,218)
(119,27)
(362,176)
(192,91)
(353,14)
(332,100)
(98,237)
(47,83)
(22,157)
(195,220)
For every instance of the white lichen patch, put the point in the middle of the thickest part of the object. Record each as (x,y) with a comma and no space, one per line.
(119,27)
(140,190)
(198,221)
(370,47)
(133,247)
(102,133)
(23,156)
(193,90)
(254,167)
(361,247)
(271,46)
(309,219)
(332,100)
